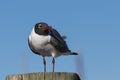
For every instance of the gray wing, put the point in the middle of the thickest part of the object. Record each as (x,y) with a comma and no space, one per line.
(58,42)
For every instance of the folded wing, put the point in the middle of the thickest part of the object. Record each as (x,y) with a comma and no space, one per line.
(58,42)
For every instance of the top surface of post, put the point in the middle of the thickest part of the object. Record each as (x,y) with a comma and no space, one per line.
(48,76)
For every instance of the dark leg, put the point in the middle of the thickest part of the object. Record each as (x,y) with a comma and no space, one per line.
(53,65)
(44,62)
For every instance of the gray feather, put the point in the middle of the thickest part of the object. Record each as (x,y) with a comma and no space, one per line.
(58,42)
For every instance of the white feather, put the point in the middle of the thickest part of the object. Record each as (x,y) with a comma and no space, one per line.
(38,41)
(41,44)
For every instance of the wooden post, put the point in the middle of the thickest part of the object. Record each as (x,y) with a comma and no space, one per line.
(48,76)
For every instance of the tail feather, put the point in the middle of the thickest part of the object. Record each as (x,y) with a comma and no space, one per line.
(74,53)
(70,53)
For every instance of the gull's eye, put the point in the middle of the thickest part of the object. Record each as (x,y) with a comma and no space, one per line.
(39,26)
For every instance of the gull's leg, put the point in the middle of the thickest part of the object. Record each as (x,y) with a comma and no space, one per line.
(53,66)
(44,62)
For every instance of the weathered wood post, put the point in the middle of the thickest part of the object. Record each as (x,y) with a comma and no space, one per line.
(48,76)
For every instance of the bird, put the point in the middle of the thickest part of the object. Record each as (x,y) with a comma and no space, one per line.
(44,40)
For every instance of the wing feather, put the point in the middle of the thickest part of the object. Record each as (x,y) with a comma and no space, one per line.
(58,41)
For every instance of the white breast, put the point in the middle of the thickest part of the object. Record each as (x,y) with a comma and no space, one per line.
(41,44)
(38,41)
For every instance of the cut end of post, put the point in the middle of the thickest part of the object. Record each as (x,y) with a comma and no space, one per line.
(48,76)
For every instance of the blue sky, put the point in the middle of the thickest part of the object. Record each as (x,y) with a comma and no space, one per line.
(92,28)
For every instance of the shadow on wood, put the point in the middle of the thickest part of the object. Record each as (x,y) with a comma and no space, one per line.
(48,75)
